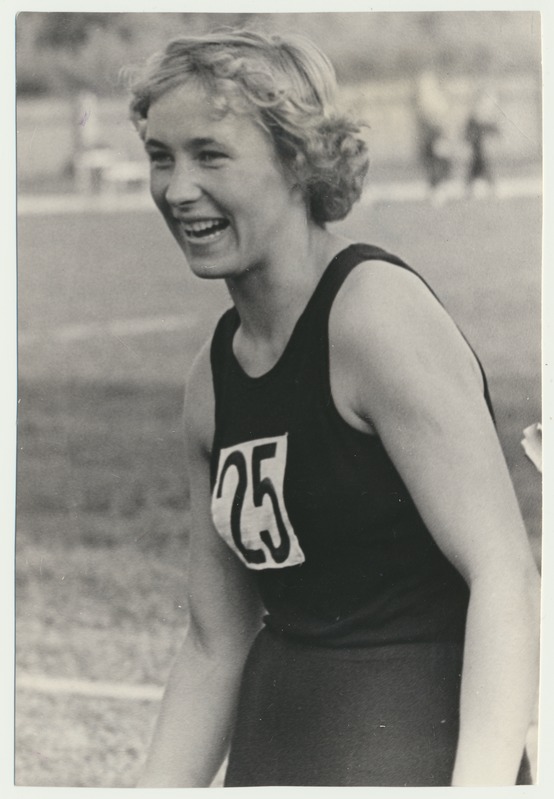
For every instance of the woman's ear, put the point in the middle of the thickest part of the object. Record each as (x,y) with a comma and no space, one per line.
(293,170)
(299,196)
(293,167)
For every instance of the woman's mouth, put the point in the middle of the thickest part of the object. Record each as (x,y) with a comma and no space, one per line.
(204,230)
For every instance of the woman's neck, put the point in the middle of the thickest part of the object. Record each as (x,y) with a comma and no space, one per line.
(271,298)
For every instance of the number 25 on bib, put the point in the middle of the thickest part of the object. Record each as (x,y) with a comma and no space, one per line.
(248,507)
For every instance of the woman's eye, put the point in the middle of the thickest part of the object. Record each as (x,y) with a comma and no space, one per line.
(211,156)
(159,158)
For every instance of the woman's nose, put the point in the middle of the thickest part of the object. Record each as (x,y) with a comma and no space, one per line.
(183,186)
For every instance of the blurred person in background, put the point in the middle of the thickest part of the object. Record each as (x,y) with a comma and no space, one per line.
(435,141)
(363,600)
(92,157)
(481,125)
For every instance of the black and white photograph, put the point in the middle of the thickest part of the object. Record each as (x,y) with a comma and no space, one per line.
(278,375)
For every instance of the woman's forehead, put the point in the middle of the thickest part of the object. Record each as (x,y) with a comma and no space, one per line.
(215,98)
(188,94)
(192,102)
(190,111)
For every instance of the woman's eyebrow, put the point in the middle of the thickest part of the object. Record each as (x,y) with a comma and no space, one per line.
(154,143)
(199,141)
(203,141)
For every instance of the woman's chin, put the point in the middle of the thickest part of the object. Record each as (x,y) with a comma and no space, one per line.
(211,267)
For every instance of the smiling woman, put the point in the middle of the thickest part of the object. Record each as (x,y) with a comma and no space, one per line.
(218,183)
(363,599)
(287,87)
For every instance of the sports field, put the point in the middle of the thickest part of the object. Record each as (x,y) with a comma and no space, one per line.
(109,322)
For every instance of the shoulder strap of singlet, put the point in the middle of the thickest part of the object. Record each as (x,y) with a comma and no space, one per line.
(341,266)
(343,263)
(224,329)
(221,345)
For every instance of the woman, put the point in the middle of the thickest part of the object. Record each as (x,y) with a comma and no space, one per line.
(355,535)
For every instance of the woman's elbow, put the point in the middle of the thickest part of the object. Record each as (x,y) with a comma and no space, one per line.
(525,585)
(221,644)
(531,590)
(513,593)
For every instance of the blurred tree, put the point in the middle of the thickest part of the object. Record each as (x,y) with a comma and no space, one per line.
(58,52)
(71,29)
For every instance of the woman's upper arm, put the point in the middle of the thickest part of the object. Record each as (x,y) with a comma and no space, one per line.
(415,380)
(223,601)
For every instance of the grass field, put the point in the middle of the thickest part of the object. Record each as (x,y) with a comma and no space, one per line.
(102,495)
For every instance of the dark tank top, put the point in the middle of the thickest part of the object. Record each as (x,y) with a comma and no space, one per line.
(317,508)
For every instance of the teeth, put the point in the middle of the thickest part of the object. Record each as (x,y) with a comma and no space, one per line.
(204,228)
(198,226)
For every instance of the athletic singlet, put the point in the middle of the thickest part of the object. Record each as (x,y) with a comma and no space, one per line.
(317,508)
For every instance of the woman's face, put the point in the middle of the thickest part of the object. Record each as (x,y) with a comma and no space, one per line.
(218,184)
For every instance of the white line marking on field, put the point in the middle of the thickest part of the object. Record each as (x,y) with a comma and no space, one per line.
(99,690)
(153,693)
(396,191)
(117,328)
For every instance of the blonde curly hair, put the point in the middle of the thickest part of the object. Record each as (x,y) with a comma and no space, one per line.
(291,86)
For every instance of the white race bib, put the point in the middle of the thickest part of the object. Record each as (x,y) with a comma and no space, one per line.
(248,506)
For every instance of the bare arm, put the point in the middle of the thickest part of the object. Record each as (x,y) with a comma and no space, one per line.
(410,376)
(192,734)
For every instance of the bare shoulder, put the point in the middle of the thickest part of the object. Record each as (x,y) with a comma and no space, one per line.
(393,314)
(199,407)
(394,349)
(377,291)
